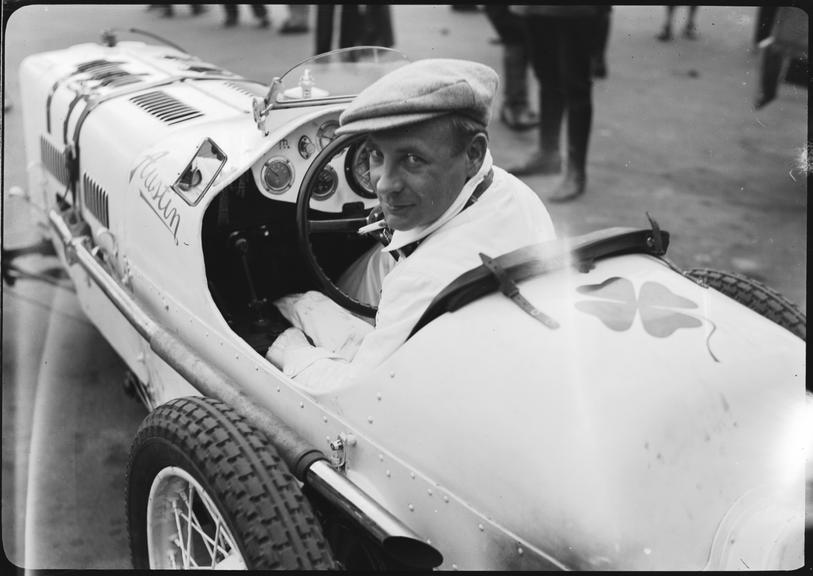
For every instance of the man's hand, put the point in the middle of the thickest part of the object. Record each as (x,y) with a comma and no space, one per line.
(291,339)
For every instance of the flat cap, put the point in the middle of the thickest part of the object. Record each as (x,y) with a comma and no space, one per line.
(422,90)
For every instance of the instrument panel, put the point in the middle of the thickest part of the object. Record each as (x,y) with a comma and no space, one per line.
(346,179)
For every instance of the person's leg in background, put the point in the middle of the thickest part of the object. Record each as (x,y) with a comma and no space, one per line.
(231,14)
(324,27)
(666,32)
(602,35)
(351,25)
(261,13)
(690,30)
(575,80)
(515,111)
(541,41)
(297,22)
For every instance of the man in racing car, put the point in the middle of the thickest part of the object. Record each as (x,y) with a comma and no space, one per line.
(440,195)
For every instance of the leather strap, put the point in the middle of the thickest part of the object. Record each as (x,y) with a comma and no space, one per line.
(511,290)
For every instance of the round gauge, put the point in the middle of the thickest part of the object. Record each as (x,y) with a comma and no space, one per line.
(326,133)
(357,170)
(306,147)
(325,184)
(277,175)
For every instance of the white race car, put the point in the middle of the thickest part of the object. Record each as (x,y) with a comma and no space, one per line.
(581,404)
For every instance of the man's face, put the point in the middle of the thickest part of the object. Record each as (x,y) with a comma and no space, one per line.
(416,172)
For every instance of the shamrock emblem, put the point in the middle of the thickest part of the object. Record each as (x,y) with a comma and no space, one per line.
(616,306)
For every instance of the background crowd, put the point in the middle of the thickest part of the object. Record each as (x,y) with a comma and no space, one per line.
(563,47)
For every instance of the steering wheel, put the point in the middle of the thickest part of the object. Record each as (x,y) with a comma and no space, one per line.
(307,227)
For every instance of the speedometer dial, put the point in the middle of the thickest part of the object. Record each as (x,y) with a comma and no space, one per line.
(357,170)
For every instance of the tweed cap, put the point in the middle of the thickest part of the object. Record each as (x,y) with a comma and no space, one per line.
(422,90)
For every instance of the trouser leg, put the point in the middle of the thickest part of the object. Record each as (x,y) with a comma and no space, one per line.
(542,40)
(350,25)
(231,13)
(515,65)
(260,11)
(576,79)
(324,27)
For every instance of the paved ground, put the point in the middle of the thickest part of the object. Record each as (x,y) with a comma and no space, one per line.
(674,134)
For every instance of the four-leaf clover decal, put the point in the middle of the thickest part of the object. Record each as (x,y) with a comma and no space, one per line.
(662,311)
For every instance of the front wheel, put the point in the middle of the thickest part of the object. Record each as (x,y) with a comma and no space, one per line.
(206,490)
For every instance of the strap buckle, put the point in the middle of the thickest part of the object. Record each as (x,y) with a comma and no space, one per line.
(509,288)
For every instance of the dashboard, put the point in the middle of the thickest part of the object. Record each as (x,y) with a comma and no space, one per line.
(345,180)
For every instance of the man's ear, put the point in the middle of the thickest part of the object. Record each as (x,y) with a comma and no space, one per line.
(476,153)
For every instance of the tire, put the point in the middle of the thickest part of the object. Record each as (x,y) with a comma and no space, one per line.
(241,490)
(756,296)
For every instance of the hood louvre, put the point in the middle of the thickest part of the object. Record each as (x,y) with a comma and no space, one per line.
(108,73)
(54,160)
(96,200)
(166,108)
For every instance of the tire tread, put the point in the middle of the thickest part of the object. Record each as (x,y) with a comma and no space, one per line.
(274,523)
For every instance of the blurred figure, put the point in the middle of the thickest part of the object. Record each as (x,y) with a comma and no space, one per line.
(602,35)
(297,22)
(259,10)
(515,112)
(359,25)
(786,42)
(168,10)
(561,44)
(689,30)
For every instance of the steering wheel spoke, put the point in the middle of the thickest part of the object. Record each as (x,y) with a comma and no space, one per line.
(336,225)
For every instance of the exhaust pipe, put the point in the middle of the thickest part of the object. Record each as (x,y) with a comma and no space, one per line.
(307,463)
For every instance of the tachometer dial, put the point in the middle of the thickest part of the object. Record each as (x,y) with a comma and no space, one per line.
(326,133)
(277,175)
(325,184)
(357,171)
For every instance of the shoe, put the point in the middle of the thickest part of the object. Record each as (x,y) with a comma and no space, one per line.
(539,165)
(665,35)
(291,28)
(690,32)
(570,188)
(229,22)
(522,119)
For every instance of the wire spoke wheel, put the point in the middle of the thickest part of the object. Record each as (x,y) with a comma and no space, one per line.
(206,490)
(184,528)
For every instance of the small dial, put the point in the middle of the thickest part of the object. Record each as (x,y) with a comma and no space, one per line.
(357,170)
(326,133)
(277,175)
(306,147)
(325,184)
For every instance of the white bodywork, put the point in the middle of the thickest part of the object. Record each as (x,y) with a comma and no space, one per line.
(658,432)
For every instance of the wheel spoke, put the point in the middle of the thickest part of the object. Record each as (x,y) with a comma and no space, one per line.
(188,522)
(179,531)
(336,225)
(187,530)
